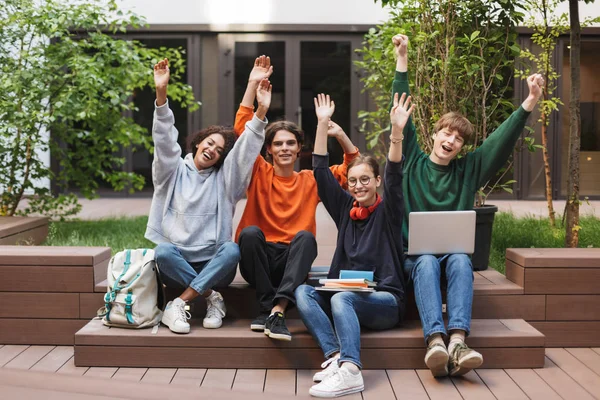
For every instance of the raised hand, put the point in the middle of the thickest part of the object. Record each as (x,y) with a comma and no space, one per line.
(263,98)
(262,69)
(401,111)
(400,45)
(536,85)
(324,107)
(334,130)
(161,74)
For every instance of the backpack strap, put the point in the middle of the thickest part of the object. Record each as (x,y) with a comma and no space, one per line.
(128,312)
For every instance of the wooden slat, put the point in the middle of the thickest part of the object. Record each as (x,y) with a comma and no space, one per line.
(69,368)
(406,384)
(304,382)
(162,376)
(555,257)
(29,357)
(438,389)
(377,385)
(89,303)
(470,386)
(569,334)
(251,380)
(515,273)
(562,281)
(39,331)
(182,357)
(53,255)
(235,333)
(527,307)
(590,358)
(30,237)
(12,225)
(130,374)
(46,279)
(16,392)
(219,378)
(500,384)
(589,380)
(280,382)
(101,372)
(191,377)
(533,386)
(501,281)
(562,383)
(39,305)
(572,307)
(7,353)
(596,349)
(85,386)
(54,360)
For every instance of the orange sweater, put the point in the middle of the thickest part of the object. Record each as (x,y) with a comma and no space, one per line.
(282,206)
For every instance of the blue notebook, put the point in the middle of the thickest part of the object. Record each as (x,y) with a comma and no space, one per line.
(350,274)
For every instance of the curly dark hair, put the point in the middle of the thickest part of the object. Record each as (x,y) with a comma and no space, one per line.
(229,137)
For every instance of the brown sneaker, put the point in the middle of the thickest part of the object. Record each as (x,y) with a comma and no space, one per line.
(463,359)
(436,359)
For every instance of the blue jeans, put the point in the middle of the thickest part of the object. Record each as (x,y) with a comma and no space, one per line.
(175,271)
(424,272)
(334,320)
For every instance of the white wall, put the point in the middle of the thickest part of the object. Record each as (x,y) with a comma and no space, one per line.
(222,12)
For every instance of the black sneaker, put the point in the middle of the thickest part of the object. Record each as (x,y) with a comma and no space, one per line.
(275,327)
(258,323)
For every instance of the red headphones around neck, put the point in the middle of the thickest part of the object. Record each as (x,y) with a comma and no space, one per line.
(358,212)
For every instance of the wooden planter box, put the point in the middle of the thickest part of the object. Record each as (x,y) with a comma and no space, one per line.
(23,230)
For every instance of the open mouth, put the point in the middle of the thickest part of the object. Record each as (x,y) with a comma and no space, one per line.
(447,148)
(207,156)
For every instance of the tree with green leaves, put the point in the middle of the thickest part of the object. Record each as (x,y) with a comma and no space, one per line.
(67,81)
(547,28)
(462,57)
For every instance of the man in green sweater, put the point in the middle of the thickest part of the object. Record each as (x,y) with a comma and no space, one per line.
(441,182)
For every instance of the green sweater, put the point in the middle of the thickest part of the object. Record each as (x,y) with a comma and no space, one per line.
(431,187)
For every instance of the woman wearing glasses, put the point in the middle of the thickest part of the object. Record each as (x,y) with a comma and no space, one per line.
(369,239)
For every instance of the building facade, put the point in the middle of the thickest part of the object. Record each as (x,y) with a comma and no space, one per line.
(311,44)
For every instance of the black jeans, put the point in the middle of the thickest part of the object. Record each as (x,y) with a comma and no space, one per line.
(275,270)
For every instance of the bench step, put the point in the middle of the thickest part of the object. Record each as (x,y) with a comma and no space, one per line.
(509,343)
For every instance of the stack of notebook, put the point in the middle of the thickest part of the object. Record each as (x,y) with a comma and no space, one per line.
(354,281)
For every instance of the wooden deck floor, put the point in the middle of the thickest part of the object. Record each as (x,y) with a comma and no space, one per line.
(569,373)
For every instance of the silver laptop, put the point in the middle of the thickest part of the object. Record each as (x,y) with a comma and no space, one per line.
(441,232)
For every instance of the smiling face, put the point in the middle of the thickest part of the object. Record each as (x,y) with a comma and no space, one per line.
(210,151)
(446,146)
(284,148)
(363,184)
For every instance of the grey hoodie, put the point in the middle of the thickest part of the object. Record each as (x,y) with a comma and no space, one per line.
(194,209)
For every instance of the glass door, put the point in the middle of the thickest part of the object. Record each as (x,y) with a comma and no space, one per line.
(304,65)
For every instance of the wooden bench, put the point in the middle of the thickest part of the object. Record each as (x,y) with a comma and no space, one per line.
(23,230)
(569,282)
(46,293)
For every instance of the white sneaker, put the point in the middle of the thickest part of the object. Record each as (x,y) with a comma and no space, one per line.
(340,383)
(330,366)
(215,311)
(176,316)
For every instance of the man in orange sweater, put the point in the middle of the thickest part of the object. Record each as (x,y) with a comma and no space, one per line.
(277,231)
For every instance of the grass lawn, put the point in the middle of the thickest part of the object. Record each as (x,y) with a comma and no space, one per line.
(119,234)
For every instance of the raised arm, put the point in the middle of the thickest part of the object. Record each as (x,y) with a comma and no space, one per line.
(330,192)
(167,153)
(262,70)
(239,163)
(400,85)
(499,145)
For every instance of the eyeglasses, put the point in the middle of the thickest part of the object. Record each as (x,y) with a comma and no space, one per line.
(364,180)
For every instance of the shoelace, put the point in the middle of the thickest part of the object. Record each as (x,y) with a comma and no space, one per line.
(329,361)
(213,311)
(182,313)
